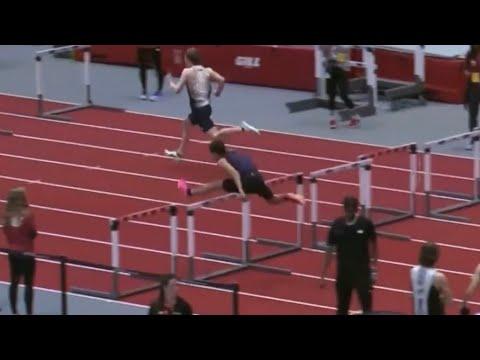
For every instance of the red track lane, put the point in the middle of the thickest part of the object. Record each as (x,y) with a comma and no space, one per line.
(151,188)
(272,141)
(138,261)
(76,178)
(308,290)
(389,178)
(204,301)
(395,276)
(168,126)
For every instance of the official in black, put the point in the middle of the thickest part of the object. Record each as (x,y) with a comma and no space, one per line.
(354,238)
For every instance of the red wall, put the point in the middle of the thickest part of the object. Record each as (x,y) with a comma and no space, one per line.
(292,67)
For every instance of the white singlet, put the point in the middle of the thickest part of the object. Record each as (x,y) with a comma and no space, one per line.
(422,279)
(199,86)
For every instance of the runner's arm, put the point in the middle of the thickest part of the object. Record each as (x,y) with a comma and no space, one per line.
(219,79)
(230,170)
(181,83)
(441,283)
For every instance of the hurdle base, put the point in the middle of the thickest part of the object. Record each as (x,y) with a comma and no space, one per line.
(311,104)
(282,244)
(455,195)
(219,273)
(220,257)
(442,213)
(139,291)
(394,236)
(55,114)
(282,251)
(94,293)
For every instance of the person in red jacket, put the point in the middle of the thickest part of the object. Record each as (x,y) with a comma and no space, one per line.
(20,232)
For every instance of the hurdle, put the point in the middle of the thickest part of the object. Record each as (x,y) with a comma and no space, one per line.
(56,114)
(114,226)
(397,214)
(246,260)
(467,199)
(315,222)
(366,84)
(402,94)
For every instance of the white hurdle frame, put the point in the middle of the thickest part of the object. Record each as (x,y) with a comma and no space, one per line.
(364,174)
(246,260)
(468,199)
(398,214)
(114,226)
(39,80)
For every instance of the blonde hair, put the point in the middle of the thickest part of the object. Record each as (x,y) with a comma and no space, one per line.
(16,203)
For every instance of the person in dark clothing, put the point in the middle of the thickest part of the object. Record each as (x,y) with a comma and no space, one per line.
(244,178)
(149,56)
(430,288)
(472,93)
(337,57)
(20,232)
(354,238)
(168,302)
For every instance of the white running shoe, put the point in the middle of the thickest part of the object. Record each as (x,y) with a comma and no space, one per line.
(247,127)
(172,154)
(143,97)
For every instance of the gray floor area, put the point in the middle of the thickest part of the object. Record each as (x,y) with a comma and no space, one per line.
(48,302)
(119,87)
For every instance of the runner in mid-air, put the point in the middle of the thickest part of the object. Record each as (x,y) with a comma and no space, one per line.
(198,80)
(243,178)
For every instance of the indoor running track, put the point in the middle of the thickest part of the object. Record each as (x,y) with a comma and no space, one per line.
(109,163)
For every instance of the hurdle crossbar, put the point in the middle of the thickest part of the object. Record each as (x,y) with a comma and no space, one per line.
(467,199)
(397,214)
(114,226)
(246,261)
(56,114)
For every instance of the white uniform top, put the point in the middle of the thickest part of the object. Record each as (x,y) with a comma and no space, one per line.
(422,279)
(199,86)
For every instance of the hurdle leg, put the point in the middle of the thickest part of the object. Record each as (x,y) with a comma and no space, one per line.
(246,228)
(191,243)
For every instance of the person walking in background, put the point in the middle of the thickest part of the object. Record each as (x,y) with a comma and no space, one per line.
(430,288)
(337,57)
(472,93)
(20,232)
(355,240)
(149,56)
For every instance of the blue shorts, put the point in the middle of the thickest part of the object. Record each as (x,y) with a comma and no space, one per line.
(202,117)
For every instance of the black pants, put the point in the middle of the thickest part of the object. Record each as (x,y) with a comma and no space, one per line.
(21,266)
(346,283)
(473,101)
(338,80)
(148,58)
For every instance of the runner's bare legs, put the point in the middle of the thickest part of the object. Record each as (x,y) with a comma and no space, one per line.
(213,133)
